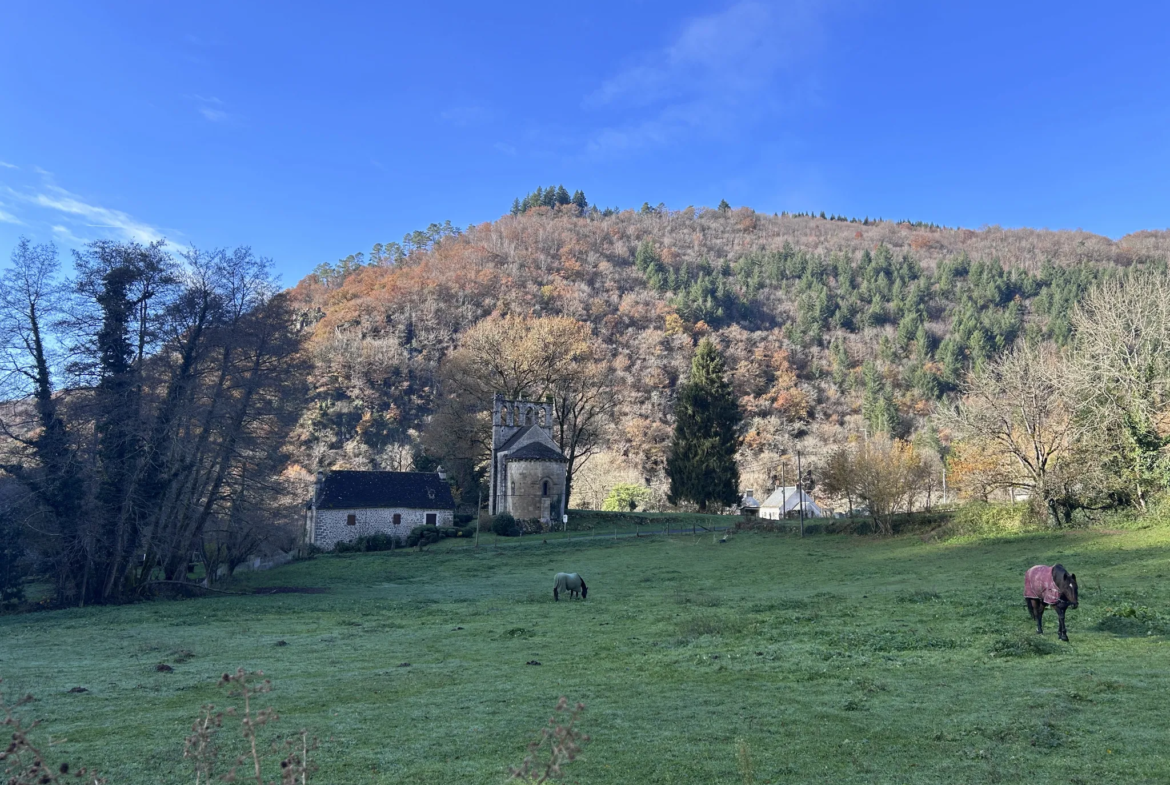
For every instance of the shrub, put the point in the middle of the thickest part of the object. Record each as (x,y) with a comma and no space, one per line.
(464,519)
(367,544)
(504,525)
(625,497)
(423,536)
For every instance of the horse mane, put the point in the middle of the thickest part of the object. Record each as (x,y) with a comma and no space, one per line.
(1059,575)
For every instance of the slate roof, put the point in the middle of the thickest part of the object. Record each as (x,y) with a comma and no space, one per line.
(410,490)
(516,437)
(535,451)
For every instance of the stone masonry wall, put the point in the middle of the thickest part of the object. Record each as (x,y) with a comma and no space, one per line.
(331,528)
(528,475)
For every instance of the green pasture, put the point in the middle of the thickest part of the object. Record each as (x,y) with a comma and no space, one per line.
(832,659)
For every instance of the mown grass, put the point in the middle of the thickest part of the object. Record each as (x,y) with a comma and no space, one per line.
(835,659)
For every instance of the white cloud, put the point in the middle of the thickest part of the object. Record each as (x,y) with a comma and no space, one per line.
(506,149)
(9,218)
(64,233)
(716,71)
(6,165)
(116,222)
(214,115)
(211,108)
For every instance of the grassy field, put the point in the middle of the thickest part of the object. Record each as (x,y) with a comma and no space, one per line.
(832,659)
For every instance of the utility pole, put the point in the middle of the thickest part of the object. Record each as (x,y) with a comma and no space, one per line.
(800,490)
(478,513)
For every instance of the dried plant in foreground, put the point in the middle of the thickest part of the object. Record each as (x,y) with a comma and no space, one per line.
(558,744)
(24,763)
(202,749)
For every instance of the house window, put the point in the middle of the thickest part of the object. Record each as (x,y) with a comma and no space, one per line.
(544,488)
(397,519)
(351,520)
(432,519)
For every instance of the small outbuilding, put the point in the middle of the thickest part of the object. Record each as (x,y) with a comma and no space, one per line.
(786,502)
(347,505)
(749,505)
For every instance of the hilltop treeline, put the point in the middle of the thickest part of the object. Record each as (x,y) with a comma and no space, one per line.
(829,327)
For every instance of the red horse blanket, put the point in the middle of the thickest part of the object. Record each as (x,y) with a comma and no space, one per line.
(1038,584)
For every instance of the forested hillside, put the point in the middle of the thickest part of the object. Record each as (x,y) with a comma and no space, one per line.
(830,327)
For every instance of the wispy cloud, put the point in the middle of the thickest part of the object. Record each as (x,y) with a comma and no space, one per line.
(506,149)
(6,165)
(9,218)
(83,214)
(211,108)
(715,72)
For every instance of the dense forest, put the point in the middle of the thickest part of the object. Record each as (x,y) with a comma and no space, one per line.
(832,328)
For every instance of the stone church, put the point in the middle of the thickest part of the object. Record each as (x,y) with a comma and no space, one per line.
(528,468)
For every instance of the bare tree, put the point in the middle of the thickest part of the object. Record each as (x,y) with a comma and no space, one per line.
(1015,408)
(553,357)
(1120,376)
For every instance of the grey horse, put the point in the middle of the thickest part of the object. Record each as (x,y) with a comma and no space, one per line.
(570,582)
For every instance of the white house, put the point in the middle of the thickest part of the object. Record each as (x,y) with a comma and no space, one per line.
(347,505)
(749,505)
(786,502)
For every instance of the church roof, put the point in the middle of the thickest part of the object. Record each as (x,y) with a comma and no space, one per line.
(537,451)
(410,490)
(520,434)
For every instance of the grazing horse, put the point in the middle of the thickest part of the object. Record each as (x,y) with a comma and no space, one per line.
(1055,586)
(570,582)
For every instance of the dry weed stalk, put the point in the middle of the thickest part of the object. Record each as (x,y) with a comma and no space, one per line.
(563,740)
(24,763)
(295,765)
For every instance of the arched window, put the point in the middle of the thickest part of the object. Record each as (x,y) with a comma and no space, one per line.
(529,417)
(544,488)
(513,487)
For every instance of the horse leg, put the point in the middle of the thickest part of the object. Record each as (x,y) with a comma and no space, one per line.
(556,596)
(1038,613)
(1063,633)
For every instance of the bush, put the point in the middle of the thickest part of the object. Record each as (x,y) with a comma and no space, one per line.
(367,544)
(423,536)
(464,519)
(504,525)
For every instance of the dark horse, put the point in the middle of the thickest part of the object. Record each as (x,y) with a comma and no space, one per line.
(1055,586)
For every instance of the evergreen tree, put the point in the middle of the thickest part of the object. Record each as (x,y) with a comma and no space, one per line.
(516,209)
(724,207)
(579,201)
(562,196)
(701,464)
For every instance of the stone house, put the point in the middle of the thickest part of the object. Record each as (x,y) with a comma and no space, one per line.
(528,469)
(347,505)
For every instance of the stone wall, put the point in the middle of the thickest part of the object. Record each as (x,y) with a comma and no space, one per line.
(527,502)
(330,526)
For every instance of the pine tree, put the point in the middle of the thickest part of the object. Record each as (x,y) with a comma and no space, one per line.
(701,464)
(516,210)
(562,196)
(724,207)
(579,201)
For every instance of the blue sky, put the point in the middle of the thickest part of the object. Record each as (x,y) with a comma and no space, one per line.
(310,130)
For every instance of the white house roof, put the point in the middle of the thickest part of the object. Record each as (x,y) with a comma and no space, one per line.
(788,498)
